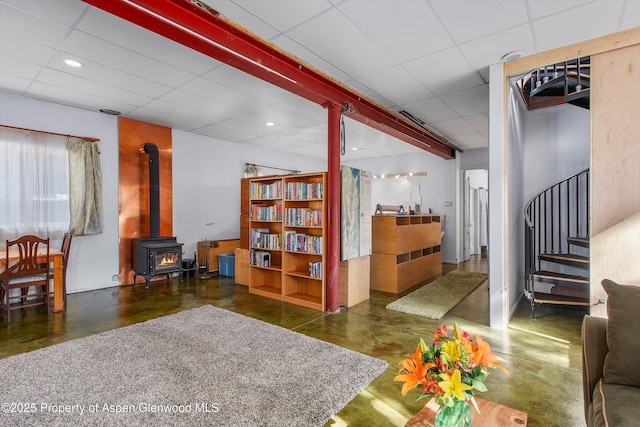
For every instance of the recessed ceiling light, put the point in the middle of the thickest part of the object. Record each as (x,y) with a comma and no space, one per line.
(110,112)
(354,149)
(73,63)
(511,56)
(270,123)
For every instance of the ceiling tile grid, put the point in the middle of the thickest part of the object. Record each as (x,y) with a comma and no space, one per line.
(428,57)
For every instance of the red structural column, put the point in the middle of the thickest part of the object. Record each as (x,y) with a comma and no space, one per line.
(333,209)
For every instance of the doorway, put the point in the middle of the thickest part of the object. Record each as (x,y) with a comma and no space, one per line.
(475,213)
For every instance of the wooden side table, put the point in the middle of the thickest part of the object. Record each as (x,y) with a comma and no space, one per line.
(491,415)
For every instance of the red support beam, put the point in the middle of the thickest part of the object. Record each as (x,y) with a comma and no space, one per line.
(333,209)
(217,37)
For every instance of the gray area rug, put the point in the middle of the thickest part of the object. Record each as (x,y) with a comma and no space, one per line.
(435,299)
(204,366)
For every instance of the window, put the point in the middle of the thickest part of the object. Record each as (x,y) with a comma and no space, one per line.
(34,184)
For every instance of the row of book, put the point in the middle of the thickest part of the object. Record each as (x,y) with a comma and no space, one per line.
(297,242)
(303,190)
(260,258)
(303,217)
(262,212)
(261,238)
(260,190)
(315,270)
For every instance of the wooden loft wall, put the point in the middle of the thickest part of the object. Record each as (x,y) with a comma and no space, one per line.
(615,158)
(615,169)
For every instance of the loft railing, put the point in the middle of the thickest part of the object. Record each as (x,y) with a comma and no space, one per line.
(551,217)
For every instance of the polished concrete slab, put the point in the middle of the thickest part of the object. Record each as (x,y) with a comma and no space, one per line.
(543,355)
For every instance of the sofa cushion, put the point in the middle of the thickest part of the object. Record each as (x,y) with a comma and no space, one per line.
(623,334)
(614,405)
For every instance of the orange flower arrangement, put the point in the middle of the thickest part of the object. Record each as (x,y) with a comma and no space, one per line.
(449,369)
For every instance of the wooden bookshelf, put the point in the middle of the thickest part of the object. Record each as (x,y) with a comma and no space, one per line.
(265,237)
(292,209)
(406,251)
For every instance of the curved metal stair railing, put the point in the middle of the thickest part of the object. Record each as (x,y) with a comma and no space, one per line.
(557,242)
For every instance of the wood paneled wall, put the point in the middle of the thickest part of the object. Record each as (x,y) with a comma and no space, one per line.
(134,187)
(615,169)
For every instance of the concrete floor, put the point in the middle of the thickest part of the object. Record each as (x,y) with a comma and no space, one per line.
(543,356)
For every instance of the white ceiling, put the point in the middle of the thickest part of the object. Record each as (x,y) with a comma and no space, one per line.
(428,57)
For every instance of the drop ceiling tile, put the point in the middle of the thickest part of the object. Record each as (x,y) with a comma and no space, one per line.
(296,49)
(315,151)
(97,50)
(630,16)
(227,132)
(73,98)
(26,26)
(25,50)
(11,83)
(470,141)
(315,35)
(369,92)
(444,72)
(452,127)
(430,110)
(479,122)
(469,102)
(470,20)
(110,77)
(248,84)
(199,106)
(405,29)
(236,13)
(285,14)
(166,118)
(397,85)
(222,94)
(489,50)
(18,68)
(80,84)
(65,12)
(542,8)
(117,31)
(307,108)
(569,27)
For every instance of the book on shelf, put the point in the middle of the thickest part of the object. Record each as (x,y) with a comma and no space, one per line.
(303,190)
(315,270)
(264,239)
(260,258)
(303,217)
(261,190)
(261,212)
(298,242)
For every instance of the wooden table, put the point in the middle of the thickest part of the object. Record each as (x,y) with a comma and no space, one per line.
(56,257)
(491,415)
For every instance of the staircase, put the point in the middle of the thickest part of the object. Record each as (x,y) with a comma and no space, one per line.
(562,83)
(557,244)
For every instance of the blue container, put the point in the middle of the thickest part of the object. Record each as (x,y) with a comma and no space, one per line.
(227,264)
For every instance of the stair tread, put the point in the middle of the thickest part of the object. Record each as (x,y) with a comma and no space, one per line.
(544,298)
(565,257)
(561,276)
(579,241)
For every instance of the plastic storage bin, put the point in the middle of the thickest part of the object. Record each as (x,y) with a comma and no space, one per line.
(227,264)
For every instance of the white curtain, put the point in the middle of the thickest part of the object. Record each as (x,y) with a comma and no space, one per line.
(34,184)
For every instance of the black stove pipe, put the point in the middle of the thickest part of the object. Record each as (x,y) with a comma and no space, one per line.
(154,187)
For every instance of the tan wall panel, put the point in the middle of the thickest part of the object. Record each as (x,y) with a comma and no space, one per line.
(615,163)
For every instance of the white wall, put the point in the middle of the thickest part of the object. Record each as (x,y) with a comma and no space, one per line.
(206,183)
(438,189)
(556,146)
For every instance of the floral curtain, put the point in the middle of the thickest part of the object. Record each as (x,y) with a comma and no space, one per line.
(85,187)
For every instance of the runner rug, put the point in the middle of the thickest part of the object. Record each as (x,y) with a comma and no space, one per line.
(436,298)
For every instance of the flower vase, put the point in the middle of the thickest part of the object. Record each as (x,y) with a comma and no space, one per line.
(458,415)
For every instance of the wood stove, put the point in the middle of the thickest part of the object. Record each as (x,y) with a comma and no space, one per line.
(155,255)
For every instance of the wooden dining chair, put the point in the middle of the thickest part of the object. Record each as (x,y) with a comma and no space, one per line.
(66,249)
(26,265)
